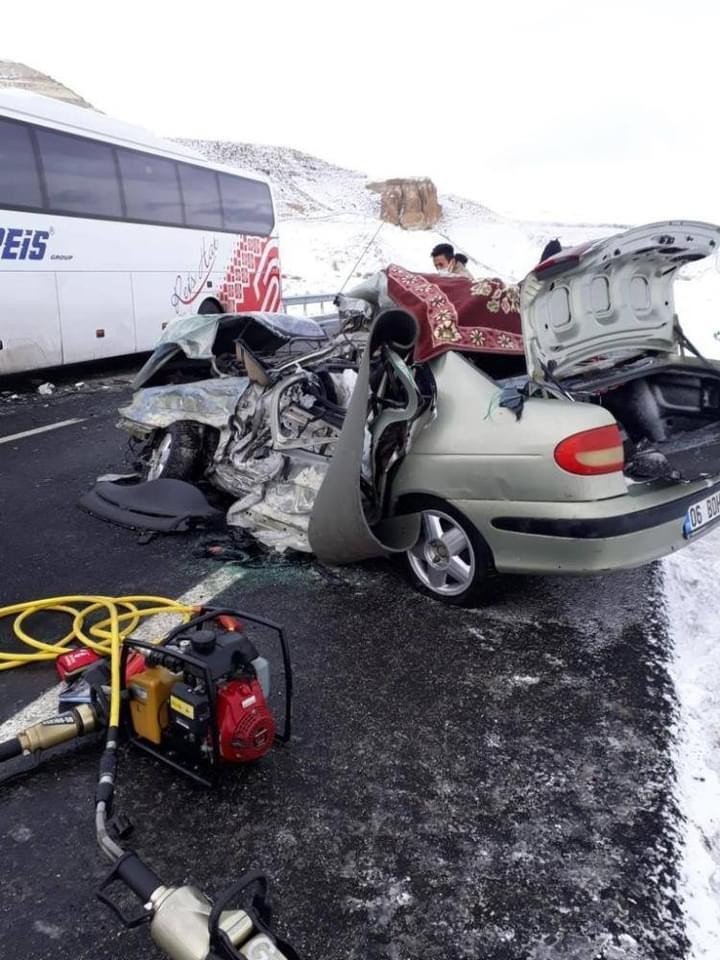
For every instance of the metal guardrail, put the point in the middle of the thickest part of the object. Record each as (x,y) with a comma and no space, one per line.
(327,312)
(310,298)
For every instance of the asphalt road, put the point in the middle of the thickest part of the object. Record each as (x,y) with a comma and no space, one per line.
(50,547)
(491,783)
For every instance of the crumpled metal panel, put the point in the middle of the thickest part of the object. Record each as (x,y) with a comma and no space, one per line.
(339,529)
(372,290)
(243,477)
(195,334)
(290,326)
(211,402)
(278,515)
(276,454)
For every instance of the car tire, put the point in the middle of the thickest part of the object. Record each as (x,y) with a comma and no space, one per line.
(451,561)
(176,453)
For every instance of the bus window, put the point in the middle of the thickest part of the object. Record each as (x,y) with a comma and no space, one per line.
(80,174)
(247,206)
(152,191)
(19,184)
(201,197)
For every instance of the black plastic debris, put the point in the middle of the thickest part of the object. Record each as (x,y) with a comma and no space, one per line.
(166,506)
(240,547)
(228,549)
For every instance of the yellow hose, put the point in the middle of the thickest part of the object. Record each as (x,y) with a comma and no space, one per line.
(103,636)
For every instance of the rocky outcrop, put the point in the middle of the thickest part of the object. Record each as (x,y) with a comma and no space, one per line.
(25,78)
(411,203)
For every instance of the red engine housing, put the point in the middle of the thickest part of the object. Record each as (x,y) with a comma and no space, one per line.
(246,727)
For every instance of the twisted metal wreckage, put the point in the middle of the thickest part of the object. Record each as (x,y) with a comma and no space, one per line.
(306,430)
(614,409)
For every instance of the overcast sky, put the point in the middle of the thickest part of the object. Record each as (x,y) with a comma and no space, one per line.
(581,111)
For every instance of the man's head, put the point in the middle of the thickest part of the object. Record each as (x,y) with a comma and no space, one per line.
(442,256)
(550,249)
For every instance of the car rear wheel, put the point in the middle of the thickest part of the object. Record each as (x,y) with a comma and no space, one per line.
(450,561)
(176,453)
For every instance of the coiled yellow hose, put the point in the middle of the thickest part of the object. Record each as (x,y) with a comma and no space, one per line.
(104,636)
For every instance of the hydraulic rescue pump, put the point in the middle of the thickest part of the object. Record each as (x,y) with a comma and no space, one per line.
(199,700)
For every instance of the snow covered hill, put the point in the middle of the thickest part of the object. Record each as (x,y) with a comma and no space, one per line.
(331,234)
(22,77)
(328,218)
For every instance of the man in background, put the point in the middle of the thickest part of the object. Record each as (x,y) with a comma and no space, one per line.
(550,249)
(442,255)
(446,261)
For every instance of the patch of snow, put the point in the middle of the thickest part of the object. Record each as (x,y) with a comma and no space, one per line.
(21,834)
(50,930)
(693,607)
(381,909)
(697,296)
(520,680)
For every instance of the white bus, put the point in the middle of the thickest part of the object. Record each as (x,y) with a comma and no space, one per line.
(107,233)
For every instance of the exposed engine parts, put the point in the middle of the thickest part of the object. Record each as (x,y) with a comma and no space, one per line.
(268,438)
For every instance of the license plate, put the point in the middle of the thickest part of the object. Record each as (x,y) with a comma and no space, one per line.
(702,513)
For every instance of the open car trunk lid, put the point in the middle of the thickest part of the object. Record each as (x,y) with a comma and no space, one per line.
(607,301)
(599,323)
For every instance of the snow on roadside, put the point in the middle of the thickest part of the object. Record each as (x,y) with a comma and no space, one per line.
(318,254)
(697,295)
(328,216)
(693,609)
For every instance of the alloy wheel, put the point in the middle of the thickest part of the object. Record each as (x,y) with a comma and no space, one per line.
(443,559)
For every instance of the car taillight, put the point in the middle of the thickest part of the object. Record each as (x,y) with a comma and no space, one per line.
(554,265)
(591,452)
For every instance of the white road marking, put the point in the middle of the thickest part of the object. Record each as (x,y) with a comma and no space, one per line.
(50,426)
(46,704)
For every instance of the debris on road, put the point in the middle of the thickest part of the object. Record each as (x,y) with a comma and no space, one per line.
(45,389)
(164,505)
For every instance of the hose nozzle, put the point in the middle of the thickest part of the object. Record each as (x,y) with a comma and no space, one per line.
(65,726)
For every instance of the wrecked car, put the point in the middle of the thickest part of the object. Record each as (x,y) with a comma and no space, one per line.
(266,432)
(567,426)
(200,346)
